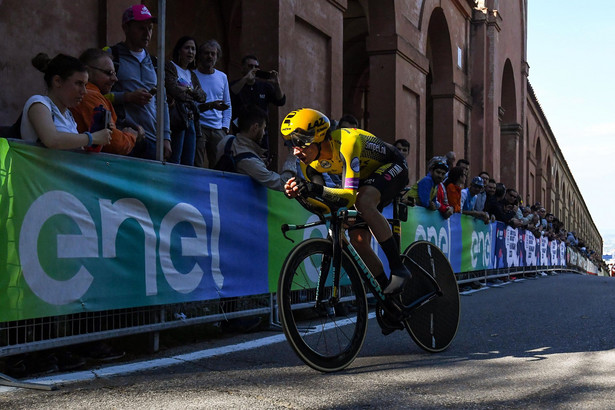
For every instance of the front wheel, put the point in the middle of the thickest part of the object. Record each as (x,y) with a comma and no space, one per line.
(329,334)
(432,326)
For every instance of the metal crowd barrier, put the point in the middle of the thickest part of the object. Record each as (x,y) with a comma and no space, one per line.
(25,336)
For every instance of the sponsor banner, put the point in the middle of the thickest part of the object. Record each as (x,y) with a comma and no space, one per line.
(88,232)
(83,232)
(562,253)
(477,244)
(286,211)
(530,248)
(427,225)
(544,251)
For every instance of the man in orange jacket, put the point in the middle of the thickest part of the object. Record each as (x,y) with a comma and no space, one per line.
(101,78)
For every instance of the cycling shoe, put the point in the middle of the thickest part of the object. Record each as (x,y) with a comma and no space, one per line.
(387,325)
(399,279)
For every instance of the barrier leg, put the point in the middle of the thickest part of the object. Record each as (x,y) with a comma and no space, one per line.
(274,322)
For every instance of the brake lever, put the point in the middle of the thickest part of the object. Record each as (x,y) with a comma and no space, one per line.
(285,228)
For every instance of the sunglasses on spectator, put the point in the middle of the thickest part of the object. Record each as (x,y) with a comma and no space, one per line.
(110,73)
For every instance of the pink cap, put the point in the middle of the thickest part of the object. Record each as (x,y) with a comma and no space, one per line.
(138,12)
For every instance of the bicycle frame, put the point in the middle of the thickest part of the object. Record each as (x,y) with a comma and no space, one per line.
(336,224)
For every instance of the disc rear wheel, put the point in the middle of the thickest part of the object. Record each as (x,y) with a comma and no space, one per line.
(432,326)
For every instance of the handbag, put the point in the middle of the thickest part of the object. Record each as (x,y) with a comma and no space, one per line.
(178,116)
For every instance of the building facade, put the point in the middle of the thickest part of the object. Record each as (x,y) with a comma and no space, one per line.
(443,74)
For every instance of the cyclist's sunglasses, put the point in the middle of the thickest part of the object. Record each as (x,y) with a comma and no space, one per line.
(300,138)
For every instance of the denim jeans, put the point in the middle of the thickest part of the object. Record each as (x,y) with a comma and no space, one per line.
(146,148)
(183,144)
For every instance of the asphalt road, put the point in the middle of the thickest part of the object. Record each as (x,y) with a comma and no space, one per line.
(543,343)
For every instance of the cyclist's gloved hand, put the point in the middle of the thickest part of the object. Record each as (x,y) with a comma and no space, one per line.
(308,189)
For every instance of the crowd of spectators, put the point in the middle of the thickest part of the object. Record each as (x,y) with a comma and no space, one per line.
(488,200)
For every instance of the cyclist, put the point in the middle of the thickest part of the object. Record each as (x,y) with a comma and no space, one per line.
(372,172)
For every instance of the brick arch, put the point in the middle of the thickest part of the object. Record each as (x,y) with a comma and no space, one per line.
(556,194)
(510,129)
(439,86)
(548,201)
(356,61)
(539,170)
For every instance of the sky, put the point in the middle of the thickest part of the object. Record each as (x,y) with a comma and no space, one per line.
(571,54)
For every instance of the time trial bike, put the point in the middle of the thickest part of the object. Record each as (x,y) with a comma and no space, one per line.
(322,300)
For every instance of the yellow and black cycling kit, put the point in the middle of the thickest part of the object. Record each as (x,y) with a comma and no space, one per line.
(360,158)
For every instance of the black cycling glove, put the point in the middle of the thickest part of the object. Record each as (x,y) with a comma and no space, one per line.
(308,189)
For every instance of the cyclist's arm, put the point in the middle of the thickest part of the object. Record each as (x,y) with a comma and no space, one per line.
(312,175)
(350,151)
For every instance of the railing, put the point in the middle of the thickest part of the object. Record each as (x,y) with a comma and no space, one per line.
(103,246)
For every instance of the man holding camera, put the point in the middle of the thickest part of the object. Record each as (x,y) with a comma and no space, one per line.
(256,88)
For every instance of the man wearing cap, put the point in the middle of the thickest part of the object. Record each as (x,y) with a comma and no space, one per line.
(468,200)
(134,94)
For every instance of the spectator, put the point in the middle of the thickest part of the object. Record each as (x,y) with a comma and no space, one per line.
(47,118)
(216,112)
(572,239)
(465,164)
(403,146)
(542,214)
(481,198)
(433,160)
(468,200)
(454,184)
(450,159)
(526,215)
(256,87)
(504,209)
(134,94)
(348,121)
(183,92)
(102,77)
(252,122)
(490,198)
(424,192)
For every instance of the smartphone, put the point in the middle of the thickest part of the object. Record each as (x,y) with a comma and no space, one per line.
(108,119)
(265,75)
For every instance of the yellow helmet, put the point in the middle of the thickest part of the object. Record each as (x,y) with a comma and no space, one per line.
(305,126)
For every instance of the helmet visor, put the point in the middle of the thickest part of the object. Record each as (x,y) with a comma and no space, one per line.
(300,138)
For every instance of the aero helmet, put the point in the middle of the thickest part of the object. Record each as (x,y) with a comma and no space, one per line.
(305,126)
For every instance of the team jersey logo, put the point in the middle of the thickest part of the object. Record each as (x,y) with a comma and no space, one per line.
(355,164)
(372,146)
(325,164)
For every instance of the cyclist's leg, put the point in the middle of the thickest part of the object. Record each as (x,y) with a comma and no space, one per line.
(374,193)
(360,238)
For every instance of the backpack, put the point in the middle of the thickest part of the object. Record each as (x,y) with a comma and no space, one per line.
(228,162)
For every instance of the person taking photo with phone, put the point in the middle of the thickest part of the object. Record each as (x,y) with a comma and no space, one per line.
(102,77)
(258,88)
